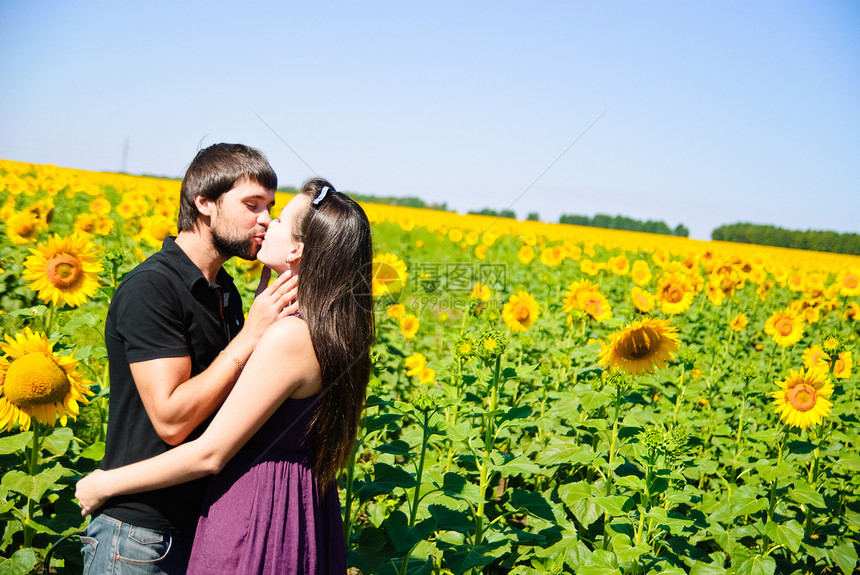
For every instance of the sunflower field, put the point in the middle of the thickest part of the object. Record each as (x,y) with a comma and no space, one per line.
(546,398)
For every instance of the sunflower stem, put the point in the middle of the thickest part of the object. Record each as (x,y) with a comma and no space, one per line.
(49,321)
(770,363)
(813,478)
(413,512)
(739,439)
(772,500)
(350,474)
(488,449)
(610,459)
(728,343)
(32,468)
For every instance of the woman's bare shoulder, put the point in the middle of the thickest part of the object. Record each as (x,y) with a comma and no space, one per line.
(290,332)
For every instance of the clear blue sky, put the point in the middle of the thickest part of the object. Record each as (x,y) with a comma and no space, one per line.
(713,112)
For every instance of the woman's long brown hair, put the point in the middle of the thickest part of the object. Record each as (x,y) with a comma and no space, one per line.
(335,299)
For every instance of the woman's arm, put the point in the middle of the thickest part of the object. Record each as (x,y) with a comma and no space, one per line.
(282,363)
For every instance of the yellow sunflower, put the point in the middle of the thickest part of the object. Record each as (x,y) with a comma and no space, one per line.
(551,256)
(848,281)
(153,230)
(406,223)
(529,239)
(642,299)
(34,384)
(464,348)
(739,322)
(248,268)
(675,293)
(526,254)
(64,270)
(641,273)
(395,311)
(23,227)
(490,345)
(779,273)
(427,376)
(763,289)
(481,251)
(785,327)
(803,398)
(520,312)
(100,206)
(641,346)
(455,235)
(715,294)
(852,312)
(85,223)
(571,252)
(619,265)
(795,281)
(576,292)
(489,238)
(843,365)
(409,325)
(481,291)
(596,305)
(415,364)
(588,267)
(813,283)
(814,357)
(660,257)
(389,275)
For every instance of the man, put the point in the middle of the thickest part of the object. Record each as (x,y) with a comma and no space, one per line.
(176,342)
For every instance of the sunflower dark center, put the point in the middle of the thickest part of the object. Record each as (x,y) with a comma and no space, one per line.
(784,327)
(63,270)
(802,397)
(641,343)
(674,293)
(386,274)
(522,313)
(35,379)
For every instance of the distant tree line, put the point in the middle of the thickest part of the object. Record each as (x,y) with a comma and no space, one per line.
(496,213)
(767,235)
(406,201)
(625,223)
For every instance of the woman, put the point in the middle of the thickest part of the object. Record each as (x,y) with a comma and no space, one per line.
(290,422)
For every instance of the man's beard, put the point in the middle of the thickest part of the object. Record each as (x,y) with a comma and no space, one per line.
(245,248)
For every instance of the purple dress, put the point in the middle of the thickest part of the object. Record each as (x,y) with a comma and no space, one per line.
(265,513)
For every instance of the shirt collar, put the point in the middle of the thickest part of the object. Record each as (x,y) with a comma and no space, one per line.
(188,270)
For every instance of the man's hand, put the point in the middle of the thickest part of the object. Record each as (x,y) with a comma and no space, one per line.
(272,302)
(89,494)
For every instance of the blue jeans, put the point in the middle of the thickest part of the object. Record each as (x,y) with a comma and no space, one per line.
(110,546)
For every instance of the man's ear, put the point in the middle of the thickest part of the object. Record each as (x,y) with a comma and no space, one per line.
(205,206)
(296,252)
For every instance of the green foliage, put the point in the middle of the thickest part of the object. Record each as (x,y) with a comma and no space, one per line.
(495,213)
(768,235)
(624,223)
(404,201)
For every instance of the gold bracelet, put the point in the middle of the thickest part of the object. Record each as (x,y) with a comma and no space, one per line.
(235,359)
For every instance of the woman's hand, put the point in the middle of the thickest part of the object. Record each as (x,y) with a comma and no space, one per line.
(89,492)
(272,302)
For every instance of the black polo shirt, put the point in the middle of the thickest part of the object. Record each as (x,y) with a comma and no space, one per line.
(164,307)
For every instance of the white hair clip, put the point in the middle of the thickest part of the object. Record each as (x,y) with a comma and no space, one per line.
(321,196)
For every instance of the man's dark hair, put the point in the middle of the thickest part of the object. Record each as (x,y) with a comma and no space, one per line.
(218,169)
